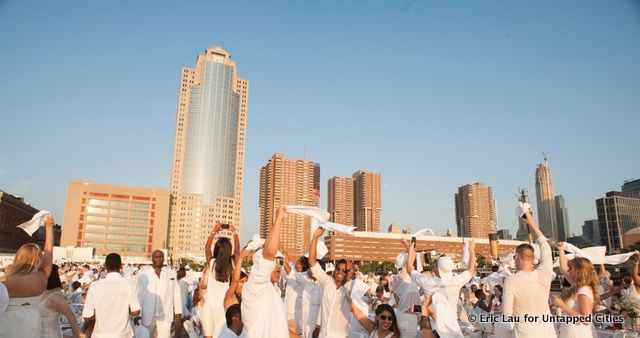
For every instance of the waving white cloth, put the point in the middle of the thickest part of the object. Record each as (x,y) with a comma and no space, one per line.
(314,212)
(446,323)
(322,218)
(424,232)
(522,208)
(596,254)
(35,223)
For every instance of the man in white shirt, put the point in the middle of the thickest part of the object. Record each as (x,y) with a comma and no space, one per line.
(159,297)
(527,291)
(335,309)
(262,308)
(110,301)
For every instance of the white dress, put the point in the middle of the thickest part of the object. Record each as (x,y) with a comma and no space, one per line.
(22,318)
(374,334)
(577,330)
(50,318)
(212,317)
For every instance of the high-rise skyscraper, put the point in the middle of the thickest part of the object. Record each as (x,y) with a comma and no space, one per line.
(341,197)
(208,151)
(475,211)
(285,181)
(632,187)
(545,199)
(618,213)
(367,201)
(523,229)
(562,218)
(356,201)
(591,231)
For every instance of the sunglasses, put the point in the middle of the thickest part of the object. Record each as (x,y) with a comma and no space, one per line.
(343,270)
(385,317)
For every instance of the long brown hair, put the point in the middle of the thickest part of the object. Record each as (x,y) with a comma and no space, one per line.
(585,276)
(26,260)
(394,324)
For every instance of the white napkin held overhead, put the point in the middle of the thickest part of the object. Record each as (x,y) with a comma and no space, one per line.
(35,223)
(424,232)
(522,208)
(321,217)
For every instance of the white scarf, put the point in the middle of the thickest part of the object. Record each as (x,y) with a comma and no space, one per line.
(35,223)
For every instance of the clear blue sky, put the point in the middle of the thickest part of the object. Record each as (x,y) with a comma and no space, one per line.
(432,94)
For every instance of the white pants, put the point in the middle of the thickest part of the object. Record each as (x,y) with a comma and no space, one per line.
(159,329)
(407,323)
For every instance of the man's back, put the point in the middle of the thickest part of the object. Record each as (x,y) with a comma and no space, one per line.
(110,300)
(527,293)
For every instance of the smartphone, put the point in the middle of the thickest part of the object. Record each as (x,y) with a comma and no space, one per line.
(413,241)
(224,226)
(417,308)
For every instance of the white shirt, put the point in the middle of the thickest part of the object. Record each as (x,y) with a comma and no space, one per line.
(293,296)
(407,293)
(110,300)
(311,301)
(527,292)
(451,285)
(262,309)
(228,333)
(335,309)
(159,297)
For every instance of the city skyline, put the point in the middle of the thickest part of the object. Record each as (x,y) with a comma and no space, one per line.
(102,103)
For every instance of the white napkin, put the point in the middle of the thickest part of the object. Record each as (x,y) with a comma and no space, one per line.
(424,232)
(313,212)
(321,217)
(595,253)
(35,223)
(522,208)
(618,259)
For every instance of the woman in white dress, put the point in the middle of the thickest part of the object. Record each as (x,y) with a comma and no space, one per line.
(385,324)
(579,299)
(26,281)
(53,304)
(220,272)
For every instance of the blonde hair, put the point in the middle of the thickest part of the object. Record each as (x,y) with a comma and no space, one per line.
(27,260)
(585,276)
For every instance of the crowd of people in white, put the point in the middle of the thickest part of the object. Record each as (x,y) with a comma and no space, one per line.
(277,298)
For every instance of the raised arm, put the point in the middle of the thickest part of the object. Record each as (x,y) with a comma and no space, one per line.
(366,323)
(272,242)
(546,262)
(564,263)
(286,266)
(47,255)
(230,296)
(207,247)
(236,242)
(634,270)
(313,246)
(472,258)
(59,303)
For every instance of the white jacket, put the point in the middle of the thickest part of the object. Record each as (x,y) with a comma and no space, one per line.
(159,297)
